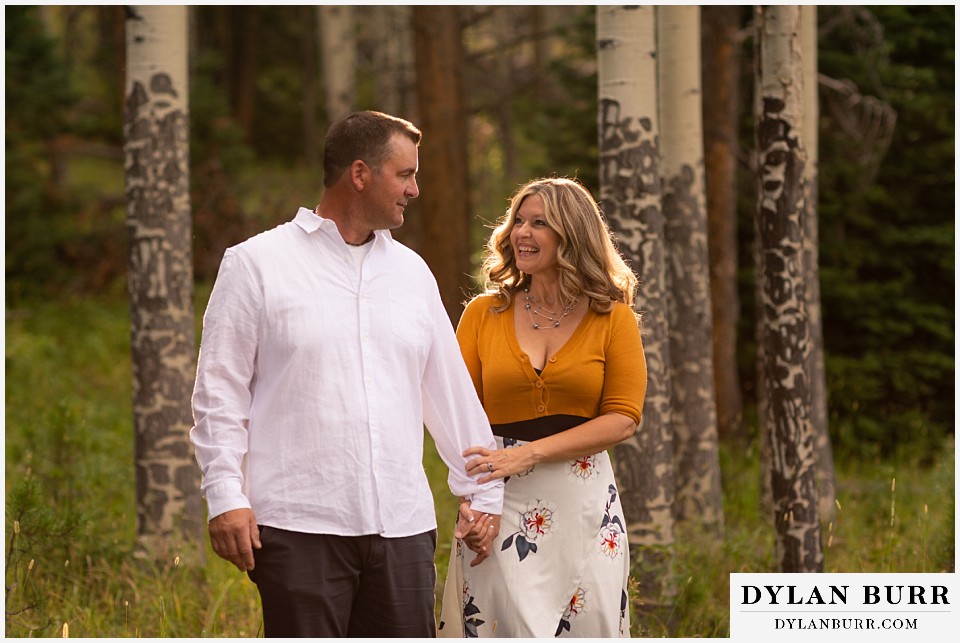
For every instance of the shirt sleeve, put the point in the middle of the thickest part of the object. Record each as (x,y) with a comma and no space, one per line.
(625,372)
(454,416)
(223,389)
(468,333)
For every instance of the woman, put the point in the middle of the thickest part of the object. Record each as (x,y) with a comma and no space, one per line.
(556,358)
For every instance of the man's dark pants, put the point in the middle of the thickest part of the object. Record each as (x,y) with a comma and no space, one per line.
(319,585)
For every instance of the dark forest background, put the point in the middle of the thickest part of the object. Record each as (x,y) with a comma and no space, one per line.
(886,185)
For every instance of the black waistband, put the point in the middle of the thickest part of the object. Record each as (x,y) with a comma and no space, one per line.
(529,430)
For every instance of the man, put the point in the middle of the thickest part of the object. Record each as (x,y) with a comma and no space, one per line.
(325,349)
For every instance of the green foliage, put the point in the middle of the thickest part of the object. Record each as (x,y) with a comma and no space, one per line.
(37,85)
(562,121)
(37,95)
(887,244)
(214,134)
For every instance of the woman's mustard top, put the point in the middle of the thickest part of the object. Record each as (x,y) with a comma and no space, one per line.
(601,368)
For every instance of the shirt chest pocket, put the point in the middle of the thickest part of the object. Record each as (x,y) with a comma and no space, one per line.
(410,320)
(295,324)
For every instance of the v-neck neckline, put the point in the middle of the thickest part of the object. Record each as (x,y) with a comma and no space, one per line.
(510,330)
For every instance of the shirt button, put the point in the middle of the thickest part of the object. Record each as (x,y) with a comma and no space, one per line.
(541,408)
(539,384)
(553,360)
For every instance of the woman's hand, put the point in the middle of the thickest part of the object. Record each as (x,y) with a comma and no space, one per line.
(499,463)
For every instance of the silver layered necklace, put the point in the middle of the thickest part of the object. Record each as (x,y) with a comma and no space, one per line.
(535,310)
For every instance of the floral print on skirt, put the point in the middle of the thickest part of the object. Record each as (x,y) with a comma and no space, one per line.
(559,566)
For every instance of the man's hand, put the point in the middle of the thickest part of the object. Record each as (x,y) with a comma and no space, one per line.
(234,536)
(477,530)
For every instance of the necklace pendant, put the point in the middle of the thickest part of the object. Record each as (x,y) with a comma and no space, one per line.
(556,324)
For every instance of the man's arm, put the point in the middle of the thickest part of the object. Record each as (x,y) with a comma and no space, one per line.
(221,403)
(455,418)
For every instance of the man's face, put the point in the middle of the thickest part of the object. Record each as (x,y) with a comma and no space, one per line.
(392,185)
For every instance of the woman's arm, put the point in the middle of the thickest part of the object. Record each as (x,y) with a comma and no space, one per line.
(588,438)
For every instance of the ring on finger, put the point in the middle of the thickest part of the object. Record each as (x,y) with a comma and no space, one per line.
(490,467)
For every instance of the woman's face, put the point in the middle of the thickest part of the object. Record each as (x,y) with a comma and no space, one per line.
(535,245)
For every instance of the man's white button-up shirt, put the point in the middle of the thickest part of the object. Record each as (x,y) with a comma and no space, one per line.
(314,383)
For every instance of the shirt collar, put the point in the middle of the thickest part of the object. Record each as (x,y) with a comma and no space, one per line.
(310,222)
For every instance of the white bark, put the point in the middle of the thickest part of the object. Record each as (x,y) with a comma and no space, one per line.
(630,197)
(826,480)
(156,132)
(784,323)
(694,415)
(338,57)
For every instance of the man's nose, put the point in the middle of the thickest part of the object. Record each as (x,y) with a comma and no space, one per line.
(413,190)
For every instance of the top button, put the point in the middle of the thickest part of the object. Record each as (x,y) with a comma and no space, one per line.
(553,359)
(539,384)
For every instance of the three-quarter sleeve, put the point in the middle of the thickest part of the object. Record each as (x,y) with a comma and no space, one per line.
(468,332)
(625,372)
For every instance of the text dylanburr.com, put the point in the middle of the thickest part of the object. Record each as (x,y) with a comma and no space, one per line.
(847,607)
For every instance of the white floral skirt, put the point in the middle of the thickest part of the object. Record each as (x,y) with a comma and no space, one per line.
(559,566)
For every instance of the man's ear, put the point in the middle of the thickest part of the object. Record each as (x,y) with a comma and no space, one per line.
(359,175)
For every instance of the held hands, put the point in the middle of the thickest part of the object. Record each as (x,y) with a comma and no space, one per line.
(234,536)
(477,530)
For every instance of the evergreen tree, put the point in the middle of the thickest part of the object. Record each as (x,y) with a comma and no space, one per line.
(38,96)
(887,227)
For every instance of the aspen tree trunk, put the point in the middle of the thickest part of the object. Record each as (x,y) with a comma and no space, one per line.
(785,331)
(721,117)
(156,151)
(699,498)
(630,197)
(826,479)
(443,176)
(338,53)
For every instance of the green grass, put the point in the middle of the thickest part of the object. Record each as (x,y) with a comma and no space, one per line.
(70,555)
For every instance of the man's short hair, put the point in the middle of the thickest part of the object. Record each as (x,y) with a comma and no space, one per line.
(362,136)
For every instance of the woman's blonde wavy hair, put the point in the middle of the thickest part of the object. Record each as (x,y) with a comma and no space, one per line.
(588,262)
